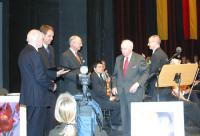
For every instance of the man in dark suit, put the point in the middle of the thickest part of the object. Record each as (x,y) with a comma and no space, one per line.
(36,87)
(158,59)
(47,52)
(73,60)
(129,77)
(48,56)
(99,94)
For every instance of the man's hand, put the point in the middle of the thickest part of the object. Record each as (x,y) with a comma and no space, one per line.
(112,98)
(54,87)
(134,87)
(61,72)
(114,91)
(196,82)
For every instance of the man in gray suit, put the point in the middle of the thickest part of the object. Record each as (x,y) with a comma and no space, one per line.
(73,60)
(129,77)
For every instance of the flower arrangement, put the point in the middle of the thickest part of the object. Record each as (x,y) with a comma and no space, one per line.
(9,119)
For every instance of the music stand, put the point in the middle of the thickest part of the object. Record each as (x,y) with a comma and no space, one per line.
(177,74)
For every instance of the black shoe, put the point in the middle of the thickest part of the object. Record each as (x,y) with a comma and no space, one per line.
(114,127)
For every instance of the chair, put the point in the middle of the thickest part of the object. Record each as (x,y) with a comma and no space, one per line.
(106,118)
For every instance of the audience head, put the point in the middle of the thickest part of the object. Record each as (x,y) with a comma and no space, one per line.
(195,59)
(154,42)
(35,38)
(188,61)
(98,67)
(183,59)
(126,47)
(75,43)
(48,32)
(104,64)
(65,112)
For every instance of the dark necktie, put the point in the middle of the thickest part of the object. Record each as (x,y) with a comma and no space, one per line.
(125,66)
(101,77)
(47,50)
(49,55)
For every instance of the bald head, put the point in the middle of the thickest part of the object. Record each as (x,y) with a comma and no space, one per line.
(154,42)
(126,47)
(75,42)
(35,38)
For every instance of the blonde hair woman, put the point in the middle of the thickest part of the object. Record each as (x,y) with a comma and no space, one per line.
(65,114)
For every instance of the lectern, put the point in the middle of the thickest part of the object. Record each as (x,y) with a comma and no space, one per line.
(177,74)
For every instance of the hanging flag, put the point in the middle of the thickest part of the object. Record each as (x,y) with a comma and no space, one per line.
(198,19)
(185,10)
(193,18)
(162,20)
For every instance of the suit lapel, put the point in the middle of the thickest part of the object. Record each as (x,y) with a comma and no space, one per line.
(80,56)
(44,51)
(101,81)
(73,57)
(121,64)
(132,62)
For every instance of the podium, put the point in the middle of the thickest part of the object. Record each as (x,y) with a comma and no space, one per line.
(177,75)
(187,73)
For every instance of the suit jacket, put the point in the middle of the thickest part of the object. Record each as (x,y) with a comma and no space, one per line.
(49,61)
(137,72)
(35,85)
(69,60)
(158,59)
(98,89)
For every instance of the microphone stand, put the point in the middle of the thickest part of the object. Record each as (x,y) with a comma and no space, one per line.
(173,56)
(157,90)
(157,83)
(177,79)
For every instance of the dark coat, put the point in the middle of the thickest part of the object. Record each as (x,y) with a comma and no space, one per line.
(99,89)
(35,85)
(49,60)
(70,83)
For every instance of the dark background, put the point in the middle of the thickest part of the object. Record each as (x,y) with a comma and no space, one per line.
(102,24)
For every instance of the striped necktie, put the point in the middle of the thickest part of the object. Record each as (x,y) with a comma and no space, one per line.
(78,58)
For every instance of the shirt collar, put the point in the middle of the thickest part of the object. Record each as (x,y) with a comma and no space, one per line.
(33,46)
(45,46)
(155,50)
(74,52)
(129,56)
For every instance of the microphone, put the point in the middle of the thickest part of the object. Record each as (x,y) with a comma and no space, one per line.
(177,54)
(178,50)
(84,69)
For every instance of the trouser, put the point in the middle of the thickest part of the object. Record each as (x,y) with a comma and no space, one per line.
(36,121)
